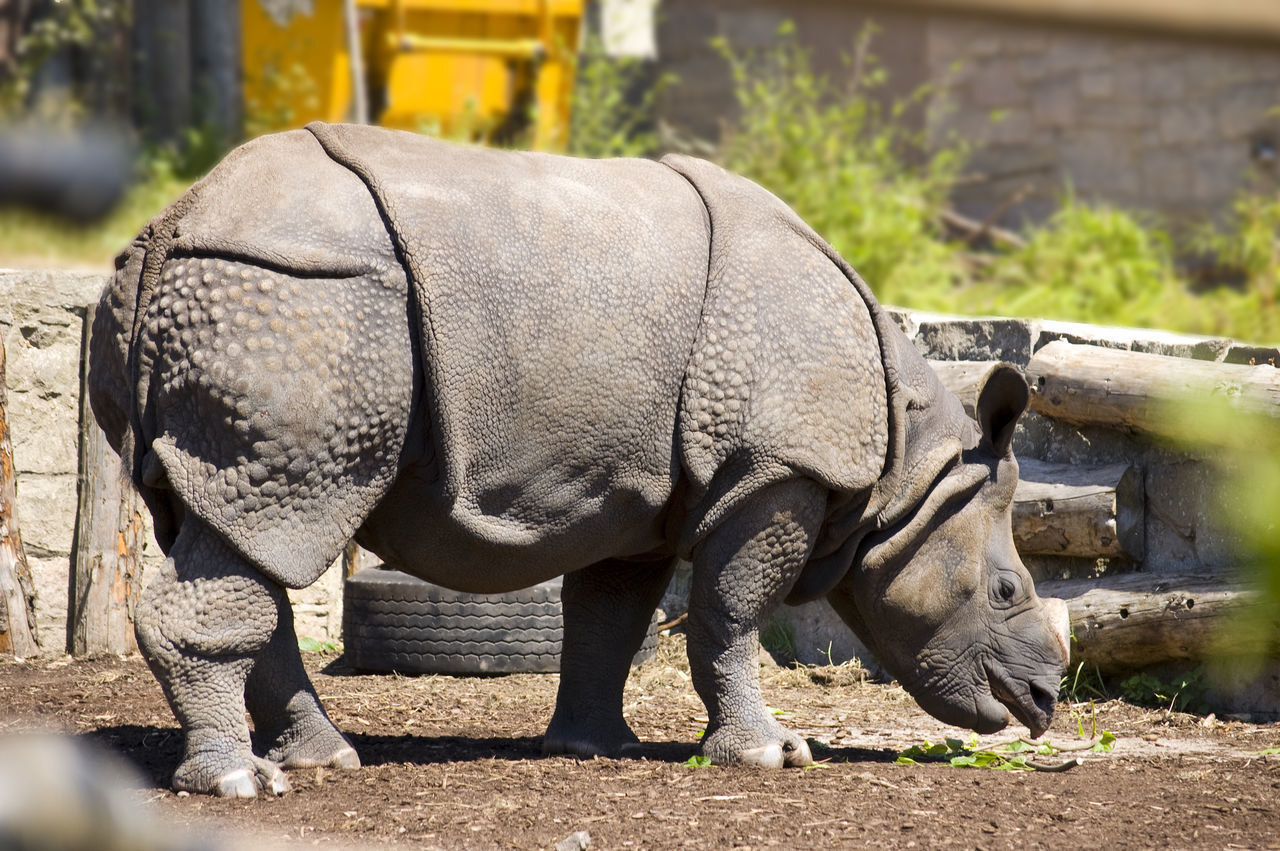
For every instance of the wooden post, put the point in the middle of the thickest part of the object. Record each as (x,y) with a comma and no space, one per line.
(17,591)
(1095,512)
(352,560)
(1092,384)
(162,49)
(106,559)
(1127,621)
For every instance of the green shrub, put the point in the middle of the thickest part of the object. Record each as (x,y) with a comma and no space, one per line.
(612,105)
(1087,263)
(875,190)
(1243,448)
(847,166)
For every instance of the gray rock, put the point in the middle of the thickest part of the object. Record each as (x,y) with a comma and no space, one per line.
(579,840)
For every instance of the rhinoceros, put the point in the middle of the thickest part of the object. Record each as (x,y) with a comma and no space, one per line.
(494,368)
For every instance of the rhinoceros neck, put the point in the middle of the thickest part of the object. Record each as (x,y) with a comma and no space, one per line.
(927,424)
(927,430)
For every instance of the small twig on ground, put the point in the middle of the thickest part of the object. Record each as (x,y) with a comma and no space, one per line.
(1061,766)
(971,227)
(875,781)
(676,621)
(1082,746)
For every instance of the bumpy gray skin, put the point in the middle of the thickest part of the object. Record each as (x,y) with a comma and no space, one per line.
(494,368)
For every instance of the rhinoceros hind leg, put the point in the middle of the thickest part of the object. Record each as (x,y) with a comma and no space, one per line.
(291,724)
(200,624)
(607,608)
(741,572)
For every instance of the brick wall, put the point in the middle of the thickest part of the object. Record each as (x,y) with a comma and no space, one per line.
(1145,121)
(1148,120)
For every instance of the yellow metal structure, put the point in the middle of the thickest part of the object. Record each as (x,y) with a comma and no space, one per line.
(500,70)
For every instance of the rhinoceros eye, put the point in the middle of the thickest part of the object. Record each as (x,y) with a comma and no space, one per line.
(1007,588)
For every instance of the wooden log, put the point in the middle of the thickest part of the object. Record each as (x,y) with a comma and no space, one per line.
(1091,384)
(1095,512)
(106,559)
(17,591)
(974,229)
(1129,621)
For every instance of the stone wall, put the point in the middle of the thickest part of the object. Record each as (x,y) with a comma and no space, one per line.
(1144,119)
(41,322)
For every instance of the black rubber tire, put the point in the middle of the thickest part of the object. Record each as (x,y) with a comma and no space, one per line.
(394,622)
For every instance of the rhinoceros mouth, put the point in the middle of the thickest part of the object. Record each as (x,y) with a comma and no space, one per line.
(1023,700)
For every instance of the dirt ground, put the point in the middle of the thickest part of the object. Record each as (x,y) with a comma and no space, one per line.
(452,762)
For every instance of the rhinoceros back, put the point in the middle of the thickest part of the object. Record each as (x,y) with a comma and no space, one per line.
(550,303)
(560,299)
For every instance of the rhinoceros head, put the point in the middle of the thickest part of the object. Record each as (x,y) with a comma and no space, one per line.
(941,597)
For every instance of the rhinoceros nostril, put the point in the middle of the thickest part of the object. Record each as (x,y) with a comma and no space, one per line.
(1044,696)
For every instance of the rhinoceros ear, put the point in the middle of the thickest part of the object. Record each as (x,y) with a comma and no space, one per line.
(1001,401)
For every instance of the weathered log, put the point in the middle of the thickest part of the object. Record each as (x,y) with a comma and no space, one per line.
(1128,621)
(974,229)
(106,559)
(1095,512)
(17,591)
(1091,384)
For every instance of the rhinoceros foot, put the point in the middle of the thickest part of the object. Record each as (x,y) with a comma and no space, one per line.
(774,747)
(311,741)
(324,750)
(586,739)
(213,774)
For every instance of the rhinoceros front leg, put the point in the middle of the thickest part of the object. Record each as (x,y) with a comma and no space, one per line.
(607,608)
(741,572)
(287,713)
(201,623)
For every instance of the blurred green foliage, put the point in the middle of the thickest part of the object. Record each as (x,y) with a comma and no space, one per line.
(1243,448)
(845,157)
(876,191)
(840,159)
(63,24)
(613,103)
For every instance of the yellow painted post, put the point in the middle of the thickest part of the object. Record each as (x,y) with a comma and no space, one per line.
(459,65)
